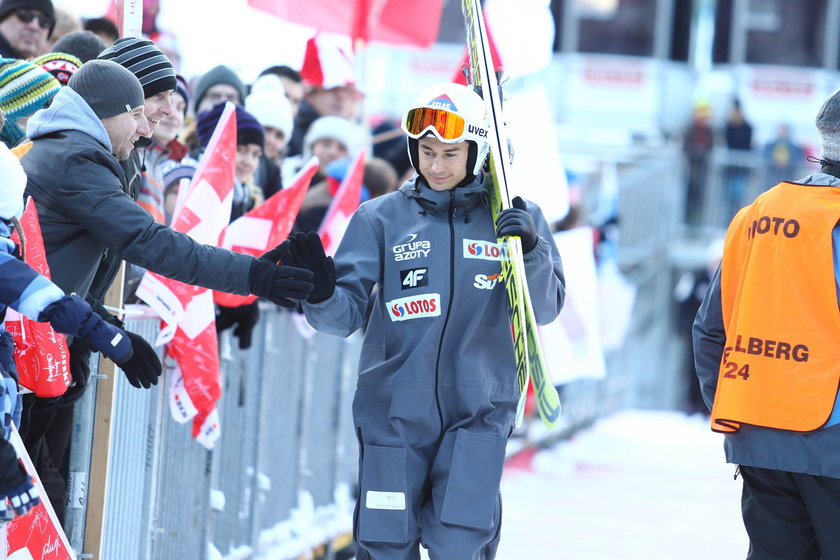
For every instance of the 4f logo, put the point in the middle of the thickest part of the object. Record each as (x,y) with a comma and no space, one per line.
(414,277)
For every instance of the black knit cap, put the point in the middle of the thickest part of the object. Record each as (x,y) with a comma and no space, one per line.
(45,6)
(248,129)
(145,61)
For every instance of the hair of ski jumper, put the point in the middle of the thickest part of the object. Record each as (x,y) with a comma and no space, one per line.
(828,127)
(469,105)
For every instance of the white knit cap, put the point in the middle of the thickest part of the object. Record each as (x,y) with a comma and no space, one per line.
(351,135)
(269,105)
(12,183)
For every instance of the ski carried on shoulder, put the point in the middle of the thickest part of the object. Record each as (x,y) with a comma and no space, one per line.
(530,364)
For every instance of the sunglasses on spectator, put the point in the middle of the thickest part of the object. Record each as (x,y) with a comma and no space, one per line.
(26,16)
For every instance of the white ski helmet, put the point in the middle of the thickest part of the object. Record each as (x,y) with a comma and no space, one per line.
(452,113)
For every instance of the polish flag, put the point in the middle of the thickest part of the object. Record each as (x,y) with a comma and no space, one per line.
(265,226)
(344,204)
(187,312)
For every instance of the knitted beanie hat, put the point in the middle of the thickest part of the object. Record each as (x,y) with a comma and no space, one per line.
(60,65)
(83,44)
(269,104)
(219,75)
(174,171)
(248,129)
(45,6)
(144,60)
(182,89)
(24,88)
(109,89)
(337,128)
(828,127)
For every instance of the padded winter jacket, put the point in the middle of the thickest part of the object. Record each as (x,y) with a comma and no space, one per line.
(88,220)
(440,320)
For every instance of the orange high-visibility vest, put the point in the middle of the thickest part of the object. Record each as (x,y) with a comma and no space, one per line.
(781,364)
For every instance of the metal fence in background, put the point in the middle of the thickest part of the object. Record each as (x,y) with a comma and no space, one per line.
(280,475)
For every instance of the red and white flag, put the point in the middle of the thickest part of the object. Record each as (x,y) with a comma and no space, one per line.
(38,534)
(41,354)
(344,204)
(400,22)
(189,318)
(265,226)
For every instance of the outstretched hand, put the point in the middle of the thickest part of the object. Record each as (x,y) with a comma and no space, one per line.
(306,251)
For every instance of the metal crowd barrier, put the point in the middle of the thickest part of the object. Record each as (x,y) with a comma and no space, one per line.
(280,476)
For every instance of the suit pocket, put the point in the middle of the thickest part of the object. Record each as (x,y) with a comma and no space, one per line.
(384,502)
(474,476)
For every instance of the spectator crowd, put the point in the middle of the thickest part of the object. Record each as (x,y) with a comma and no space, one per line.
(96,127)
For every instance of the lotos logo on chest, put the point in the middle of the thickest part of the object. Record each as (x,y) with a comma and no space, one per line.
(414,307)
(484,250)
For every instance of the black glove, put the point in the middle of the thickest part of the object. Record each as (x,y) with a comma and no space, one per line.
(305,251)
(143,368)
(72,315)
(79,370)
(279,284)
(245,317)
(15,484)
(517,221)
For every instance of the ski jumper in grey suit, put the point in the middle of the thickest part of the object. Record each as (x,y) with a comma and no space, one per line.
(437,389)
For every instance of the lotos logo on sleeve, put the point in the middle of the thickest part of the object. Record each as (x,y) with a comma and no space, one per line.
(414,307)
(480,249)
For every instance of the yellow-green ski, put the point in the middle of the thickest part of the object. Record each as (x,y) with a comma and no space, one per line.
(528,352)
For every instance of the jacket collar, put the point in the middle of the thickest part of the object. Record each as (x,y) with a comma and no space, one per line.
(465,198)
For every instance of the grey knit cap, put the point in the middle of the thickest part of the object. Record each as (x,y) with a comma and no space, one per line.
(219,75)
(828,126)
(109,88)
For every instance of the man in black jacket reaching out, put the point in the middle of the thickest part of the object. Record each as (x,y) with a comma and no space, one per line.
(86,214)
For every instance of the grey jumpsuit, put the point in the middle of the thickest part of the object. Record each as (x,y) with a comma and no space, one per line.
(437,388)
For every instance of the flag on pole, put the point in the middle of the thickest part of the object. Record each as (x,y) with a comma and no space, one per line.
(187,312)
(400,22)
(343,205)
(265,226)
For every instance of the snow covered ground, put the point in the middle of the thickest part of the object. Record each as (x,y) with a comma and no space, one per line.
(639,485)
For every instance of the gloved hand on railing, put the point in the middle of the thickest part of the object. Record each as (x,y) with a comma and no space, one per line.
(72,315)
(15,485)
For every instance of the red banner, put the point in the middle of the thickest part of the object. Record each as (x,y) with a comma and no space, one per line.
(344,204)
(38,534)
(400,22)
(41,354)
(187,311)
(265,226)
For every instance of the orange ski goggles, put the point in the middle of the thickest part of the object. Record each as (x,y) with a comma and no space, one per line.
(447,126)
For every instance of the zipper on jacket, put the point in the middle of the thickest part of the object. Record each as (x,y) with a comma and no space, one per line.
(451,217)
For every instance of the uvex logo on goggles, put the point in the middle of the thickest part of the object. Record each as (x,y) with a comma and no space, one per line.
(447,126)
